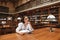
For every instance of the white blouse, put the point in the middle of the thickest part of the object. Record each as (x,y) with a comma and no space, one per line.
(21,28)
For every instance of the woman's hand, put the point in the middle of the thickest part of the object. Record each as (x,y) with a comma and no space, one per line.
(21,33)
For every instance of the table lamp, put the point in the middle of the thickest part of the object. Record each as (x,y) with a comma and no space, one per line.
(18,18)
(51,18)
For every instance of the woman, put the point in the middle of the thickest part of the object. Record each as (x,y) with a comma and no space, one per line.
(25,27)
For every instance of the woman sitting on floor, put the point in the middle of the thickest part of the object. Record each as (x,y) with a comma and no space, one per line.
(24,28)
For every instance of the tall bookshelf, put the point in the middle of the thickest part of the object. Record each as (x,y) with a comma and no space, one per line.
(39,16)
(6,23)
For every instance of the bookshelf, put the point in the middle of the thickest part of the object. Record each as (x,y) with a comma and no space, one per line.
(39,16)
(4,9)
(7,24)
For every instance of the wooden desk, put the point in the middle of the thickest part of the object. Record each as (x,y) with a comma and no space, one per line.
(38,34)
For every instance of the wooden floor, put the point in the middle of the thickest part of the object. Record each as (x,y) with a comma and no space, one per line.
(38,34)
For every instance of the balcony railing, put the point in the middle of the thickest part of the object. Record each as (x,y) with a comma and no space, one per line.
(33,3)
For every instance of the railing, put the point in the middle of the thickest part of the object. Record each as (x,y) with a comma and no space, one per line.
(33,3)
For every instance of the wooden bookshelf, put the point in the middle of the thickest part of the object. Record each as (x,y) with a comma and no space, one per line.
(39,16)
(7,23)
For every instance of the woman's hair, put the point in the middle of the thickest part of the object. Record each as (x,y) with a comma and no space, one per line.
(25,17)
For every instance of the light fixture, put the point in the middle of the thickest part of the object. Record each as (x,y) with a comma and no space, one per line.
(19,18)
(9,18)
(51,18)
(3,22)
